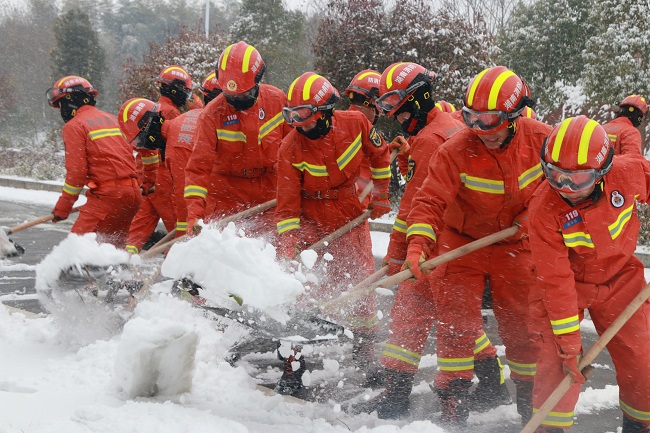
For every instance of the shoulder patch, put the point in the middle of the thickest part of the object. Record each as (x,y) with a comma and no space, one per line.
(375,138)
(617,199)
(411,170)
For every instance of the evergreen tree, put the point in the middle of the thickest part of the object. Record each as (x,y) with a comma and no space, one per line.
(278,34)
(77,50)
(543,44)
(617,56)
(190,49)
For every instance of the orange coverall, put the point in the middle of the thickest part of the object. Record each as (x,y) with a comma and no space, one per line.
(624,136)
(97,155)
(414,312)
(159,204)
(584,259)
(316,195)
(471,192)
(233,165)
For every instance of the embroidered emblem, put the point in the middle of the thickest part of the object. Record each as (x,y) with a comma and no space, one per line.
(375,138)
(411,170)
(231,86)
(617,199)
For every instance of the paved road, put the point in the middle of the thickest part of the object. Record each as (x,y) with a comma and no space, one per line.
(17,290)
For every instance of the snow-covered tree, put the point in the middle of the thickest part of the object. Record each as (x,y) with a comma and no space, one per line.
(190,49)
(543,44)
(617,57)
(77,50)
(278,34)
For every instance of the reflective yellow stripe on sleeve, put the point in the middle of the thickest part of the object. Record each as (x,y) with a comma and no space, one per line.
(71,189)
(195,191)
(131,249)
(148,160)
(380,173)
(482,185)
(181,226)
(225,135)
(578,239)
(616,228)
(399,225)
(421,229)
(564,326)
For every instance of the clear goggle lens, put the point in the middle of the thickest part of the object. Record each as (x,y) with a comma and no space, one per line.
(483,120)
(570,181)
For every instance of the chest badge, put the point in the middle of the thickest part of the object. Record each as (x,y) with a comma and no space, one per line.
(617,199)
(262,114)
(570,219)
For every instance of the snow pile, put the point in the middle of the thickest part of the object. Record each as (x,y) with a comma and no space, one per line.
(76,252)
(225,263)
(7,248)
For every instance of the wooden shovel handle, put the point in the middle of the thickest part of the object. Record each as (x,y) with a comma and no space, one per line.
(587,359)
(35,222)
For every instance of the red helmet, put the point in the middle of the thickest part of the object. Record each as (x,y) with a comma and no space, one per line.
(66,86)
(398,83)
(445,107)
(576,154)
(240,68)
(364,87)
(175,75)
(494,99)
(636,101)
(529,112)
(210,87)
(311,97)
(133,117)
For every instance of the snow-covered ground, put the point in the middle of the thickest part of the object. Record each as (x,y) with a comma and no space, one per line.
(52,382)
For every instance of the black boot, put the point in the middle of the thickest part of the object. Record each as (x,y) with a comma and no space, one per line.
(294,367)
(634,426)
(393,403)
(491,391)
(363,355)
(454,402)
(524,400)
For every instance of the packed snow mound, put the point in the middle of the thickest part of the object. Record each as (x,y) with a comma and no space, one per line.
(77,251)
(226,263)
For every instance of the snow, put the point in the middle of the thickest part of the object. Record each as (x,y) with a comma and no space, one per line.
(165,369)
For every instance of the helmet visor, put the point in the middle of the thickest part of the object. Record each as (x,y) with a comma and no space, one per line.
(483,120)
(570,181)
(299,116)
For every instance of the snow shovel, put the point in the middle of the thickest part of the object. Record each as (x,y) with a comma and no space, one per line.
(371,184)
(32,223)
(587,359)
(340,231)
(367,286)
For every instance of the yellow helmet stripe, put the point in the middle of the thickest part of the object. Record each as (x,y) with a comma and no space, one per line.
(362,76)
(306,90)
(472,89)
(125,114)
(583,150)
(174,68)
(290,92)
(389,76)
(224,57)
(247,58)
(559,138)
(211,76)
(496,88)
(62,80)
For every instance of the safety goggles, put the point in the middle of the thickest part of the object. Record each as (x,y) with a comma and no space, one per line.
(570,181)
(55,94)
(484,120)
(303,114)
(391,100)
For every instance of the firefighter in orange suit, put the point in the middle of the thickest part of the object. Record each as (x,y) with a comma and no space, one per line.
(319,164)
(362,91)
(175,86)
(480,182)
(96,155)
(583,233)
(410,102)
(624,131)
(237,142)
